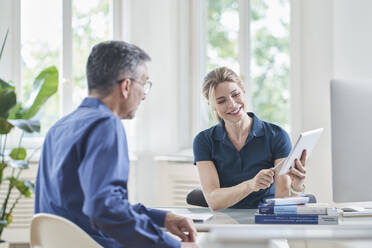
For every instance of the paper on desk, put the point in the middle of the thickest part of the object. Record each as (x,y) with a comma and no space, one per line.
(197,217)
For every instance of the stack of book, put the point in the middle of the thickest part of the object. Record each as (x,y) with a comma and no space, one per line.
(295,210)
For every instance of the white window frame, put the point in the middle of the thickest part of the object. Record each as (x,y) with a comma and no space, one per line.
(119,11)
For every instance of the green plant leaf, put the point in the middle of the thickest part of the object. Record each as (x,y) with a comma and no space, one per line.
(18,153)
(44,86)
(28,126)
(9,219)
(19,164)
(6,85)
(24,187)
(3,165)
(5,126)
(8,98)
(29,184)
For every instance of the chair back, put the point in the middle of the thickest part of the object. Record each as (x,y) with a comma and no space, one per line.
(49,230)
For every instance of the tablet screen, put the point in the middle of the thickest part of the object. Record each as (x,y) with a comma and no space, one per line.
(306,141)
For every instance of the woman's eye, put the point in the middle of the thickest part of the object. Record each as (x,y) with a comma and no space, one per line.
(235,95)
(220,102)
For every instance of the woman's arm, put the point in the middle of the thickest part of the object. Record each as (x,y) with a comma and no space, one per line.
(217,197)
(283,182)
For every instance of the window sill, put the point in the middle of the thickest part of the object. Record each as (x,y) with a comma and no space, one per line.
(179,157)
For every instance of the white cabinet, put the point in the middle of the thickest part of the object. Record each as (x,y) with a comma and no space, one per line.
(175,180)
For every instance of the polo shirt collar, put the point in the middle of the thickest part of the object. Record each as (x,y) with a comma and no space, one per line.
(256,130)
(92,102)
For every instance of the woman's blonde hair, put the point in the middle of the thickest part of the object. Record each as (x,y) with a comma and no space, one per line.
(215,77)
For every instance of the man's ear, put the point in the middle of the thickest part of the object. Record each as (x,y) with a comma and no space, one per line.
(125,87)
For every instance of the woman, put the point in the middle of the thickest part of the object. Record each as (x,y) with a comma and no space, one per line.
(235,158)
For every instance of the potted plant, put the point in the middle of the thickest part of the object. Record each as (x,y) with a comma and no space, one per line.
(14,115)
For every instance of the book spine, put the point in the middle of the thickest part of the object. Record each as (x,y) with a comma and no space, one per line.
(296,219)
(291,210)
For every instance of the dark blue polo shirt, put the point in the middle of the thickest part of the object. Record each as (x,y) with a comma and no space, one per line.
(265,143)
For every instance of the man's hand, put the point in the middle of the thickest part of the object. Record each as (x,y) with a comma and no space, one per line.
(178,225)
(263,179)
(298,173)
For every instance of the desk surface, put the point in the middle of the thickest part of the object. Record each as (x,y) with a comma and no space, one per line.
(245,217)
(236,228)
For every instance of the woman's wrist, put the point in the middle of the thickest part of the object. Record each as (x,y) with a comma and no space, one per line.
(297,190)
(249,186)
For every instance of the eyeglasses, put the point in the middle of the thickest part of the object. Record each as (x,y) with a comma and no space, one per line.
(146,86)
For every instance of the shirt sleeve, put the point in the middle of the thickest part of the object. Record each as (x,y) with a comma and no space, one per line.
(281,143)
(202,148)
(103,175)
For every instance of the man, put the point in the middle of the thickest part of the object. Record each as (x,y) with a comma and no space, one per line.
(83,171)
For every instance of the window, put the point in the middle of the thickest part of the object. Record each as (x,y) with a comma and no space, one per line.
(222,37)
(270,60)
(39,49)
(42,46)
(269,52)
(91,24)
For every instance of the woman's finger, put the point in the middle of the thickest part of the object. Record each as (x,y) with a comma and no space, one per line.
(266,181)
(300,166)
(297,173)
(266,178)
(303,158)
(263,185)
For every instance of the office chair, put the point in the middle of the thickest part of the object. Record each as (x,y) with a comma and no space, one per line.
(49,230)
(196,198)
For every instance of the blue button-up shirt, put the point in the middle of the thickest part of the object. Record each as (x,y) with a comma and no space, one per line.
(83,175)
(265,143)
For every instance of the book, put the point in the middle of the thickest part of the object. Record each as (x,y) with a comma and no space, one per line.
(296,219)
(288,200)
(311,208)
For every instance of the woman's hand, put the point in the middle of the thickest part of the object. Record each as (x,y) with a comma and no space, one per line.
(262,180)
(298,173)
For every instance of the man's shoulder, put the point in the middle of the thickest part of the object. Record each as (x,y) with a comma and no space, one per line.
(83,119)
(85,115)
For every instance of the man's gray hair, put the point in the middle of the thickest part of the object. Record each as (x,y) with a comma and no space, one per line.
(112,61)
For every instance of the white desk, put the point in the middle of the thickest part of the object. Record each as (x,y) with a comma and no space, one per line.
(236,228)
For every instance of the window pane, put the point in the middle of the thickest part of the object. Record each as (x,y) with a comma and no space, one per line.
(269,35)
(270,60)
(39,49)
(223,36)
(92,23)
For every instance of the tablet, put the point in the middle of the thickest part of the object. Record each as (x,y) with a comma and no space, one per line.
(306,141)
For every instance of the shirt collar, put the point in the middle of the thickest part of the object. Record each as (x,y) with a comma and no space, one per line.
(92,102)
(256,130)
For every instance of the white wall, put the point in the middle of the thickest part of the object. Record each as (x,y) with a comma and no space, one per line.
(333,40)
(154,28)
(8,21)
(352,39)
